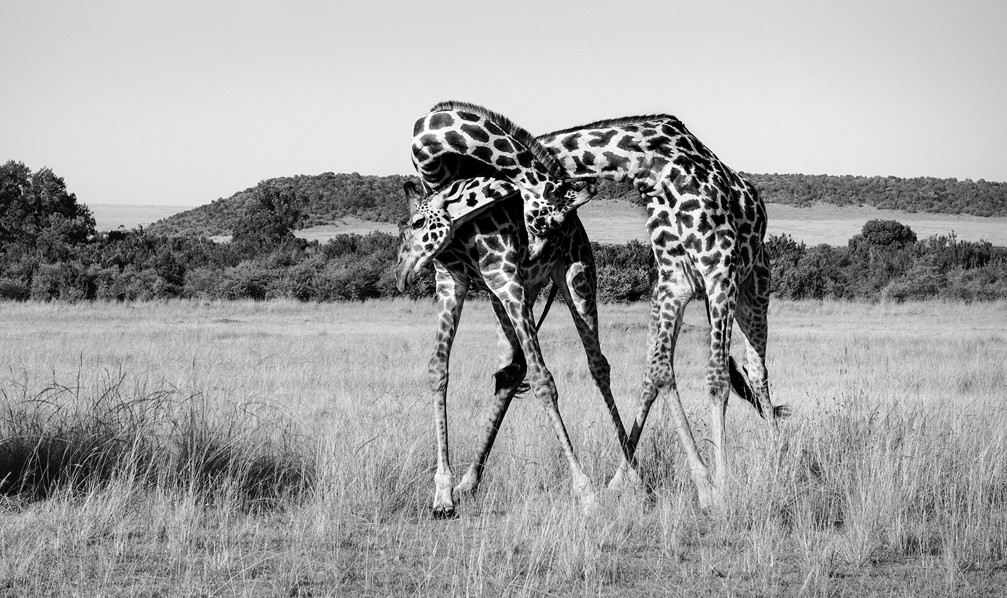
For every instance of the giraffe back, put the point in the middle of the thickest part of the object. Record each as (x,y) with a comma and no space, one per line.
(699,208)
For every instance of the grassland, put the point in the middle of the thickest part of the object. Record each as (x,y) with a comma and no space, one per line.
(887,480)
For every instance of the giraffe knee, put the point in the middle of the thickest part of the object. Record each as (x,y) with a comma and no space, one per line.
(545,390)
(717,391)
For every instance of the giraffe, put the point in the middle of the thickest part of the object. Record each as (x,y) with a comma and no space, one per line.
(490,251)
(465,141)
(707,226)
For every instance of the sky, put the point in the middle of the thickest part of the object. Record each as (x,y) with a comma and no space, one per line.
(180,103)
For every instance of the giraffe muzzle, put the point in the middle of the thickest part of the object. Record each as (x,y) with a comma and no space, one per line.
(403,278)
(406,271)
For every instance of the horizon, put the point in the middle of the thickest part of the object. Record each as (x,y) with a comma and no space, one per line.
(249,187)
(184,103)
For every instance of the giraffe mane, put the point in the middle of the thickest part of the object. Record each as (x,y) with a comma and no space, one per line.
(529,141)
(612,122)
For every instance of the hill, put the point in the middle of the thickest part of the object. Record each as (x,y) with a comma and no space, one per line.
(330,198)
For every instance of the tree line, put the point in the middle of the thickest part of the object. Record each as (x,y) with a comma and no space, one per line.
(328,197)
(920,194)
(49,250)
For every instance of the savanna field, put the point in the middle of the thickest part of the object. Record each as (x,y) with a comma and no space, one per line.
(286,449)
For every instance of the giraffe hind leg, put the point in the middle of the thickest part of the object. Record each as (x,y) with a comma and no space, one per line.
(752,318)
(723,293)
(740,383)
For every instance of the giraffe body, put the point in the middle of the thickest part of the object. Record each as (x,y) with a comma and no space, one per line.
(490,251)
(706,225)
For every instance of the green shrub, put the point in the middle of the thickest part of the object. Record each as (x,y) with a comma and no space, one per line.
(14,289)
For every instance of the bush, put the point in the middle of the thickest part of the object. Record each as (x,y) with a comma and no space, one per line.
(984,284)
(14,289)
(921,283)
(625,272)
(247,280)
(66,281)
(623,285)
(202,283)
(143,285)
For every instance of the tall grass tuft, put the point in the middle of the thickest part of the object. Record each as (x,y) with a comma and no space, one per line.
(78,437)
(861,484)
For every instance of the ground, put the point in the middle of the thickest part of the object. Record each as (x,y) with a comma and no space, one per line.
(886,481)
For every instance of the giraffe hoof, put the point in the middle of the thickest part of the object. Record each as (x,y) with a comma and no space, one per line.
(626,480)
(445,512)
(711,498)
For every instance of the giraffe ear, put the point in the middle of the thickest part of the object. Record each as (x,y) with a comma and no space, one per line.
(412,194)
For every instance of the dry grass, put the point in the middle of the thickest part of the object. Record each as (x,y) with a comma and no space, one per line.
(888,480)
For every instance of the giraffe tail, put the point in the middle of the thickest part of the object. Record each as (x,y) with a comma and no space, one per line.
(511,377)
(548,303)
(743,388)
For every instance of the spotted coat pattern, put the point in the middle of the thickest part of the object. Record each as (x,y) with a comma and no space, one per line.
(489,251)
(706,225)
(433,220)
(457,140)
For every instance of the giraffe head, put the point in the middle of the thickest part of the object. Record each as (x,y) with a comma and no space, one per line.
(434,218)
(421,236)
(542,216)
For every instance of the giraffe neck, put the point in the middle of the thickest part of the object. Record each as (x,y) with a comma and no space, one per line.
(463,140)
(636,147)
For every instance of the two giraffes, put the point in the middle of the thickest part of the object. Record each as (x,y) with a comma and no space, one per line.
(499,213)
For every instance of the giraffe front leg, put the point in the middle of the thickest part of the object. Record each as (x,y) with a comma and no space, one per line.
(580,295)
(577,285)
(668,302)
(444,504)
(508,380)
(627,470)
(543,385)
(450,297)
